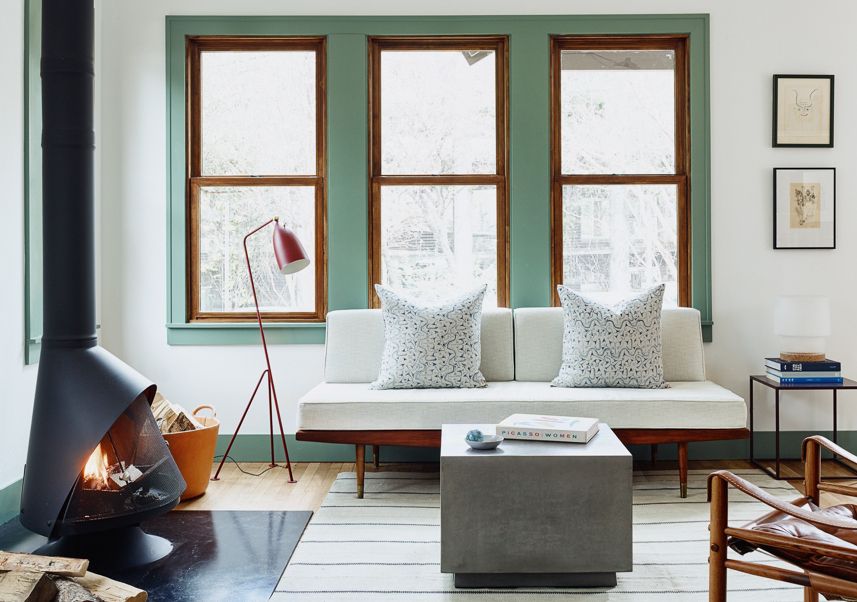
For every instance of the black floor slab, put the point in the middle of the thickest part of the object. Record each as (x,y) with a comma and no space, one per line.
(217,556)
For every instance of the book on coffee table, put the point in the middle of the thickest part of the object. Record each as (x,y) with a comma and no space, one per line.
(536,427)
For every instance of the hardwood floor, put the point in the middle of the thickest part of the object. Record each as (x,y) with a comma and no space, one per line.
(272,491)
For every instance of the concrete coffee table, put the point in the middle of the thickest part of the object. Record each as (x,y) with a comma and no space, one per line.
(534,513)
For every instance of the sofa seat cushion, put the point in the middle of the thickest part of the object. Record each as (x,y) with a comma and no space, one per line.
(355,407)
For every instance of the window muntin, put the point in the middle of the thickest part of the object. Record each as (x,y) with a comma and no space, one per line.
(255,151)
(620,162)
(438,160)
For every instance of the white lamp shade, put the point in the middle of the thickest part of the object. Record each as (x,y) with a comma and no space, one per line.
(802,316)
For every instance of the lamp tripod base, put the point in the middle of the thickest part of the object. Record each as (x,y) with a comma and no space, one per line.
(272,405)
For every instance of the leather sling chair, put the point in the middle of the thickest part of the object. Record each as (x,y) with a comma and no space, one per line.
(820,543)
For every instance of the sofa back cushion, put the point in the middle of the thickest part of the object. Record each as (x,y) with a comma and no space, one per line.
(538,344)
(355,343)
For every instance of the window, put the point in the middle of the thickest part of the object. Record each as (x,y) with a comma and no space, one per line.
(620,165)
(438,165)
(256,149)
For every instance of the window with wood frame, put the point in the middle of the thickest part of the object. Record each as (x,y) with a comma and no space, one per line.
(255,150)
(438,165)
(620,162)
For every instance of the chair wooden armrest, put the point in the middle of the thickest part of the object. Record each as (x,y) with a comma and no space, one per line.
(811,557)
(812,480)
(816,441)
(789,508)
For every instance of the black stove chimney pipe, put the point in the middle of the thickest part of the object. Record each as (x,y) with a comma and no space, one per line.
(81,388)
(68,146)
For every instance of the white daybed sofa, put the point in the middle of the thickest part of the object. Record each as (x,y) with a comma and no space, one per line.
(521,354)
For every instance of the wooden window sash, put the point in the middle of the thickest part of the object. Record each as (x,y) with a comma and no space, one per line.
(681,176)
(196,180)
(499,179)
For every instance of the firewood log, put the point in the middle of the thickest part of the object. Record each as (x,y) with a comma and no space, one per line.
(68,590)
(27,586)
(57,565)
(110,590)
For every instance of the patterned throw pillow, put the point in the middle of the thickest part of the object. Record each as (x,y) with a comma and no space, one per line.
(430,346)
(618,346)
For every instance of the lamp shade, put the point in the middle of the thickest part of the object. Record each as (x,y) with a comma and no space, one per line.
(802,316)
(290,253)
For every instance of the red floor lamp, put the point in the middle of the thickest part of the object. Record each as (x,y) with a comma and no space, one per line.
(291,257)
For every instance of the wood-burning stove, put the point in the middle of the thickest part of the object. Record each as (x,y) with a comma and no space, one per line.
(97,465)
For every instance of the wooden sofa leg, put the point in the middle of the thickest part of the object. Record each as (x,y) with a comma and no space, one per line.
(718,490)
(682,468)
(810,595)
(360,467)
(376,456)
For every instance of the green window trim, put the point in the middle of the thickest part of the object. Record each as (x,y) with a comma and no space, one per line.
(32,183)
(529,45)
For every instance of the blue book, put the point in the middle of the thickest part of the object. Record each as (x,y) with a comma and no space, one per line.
(784,366)
(802,380)
(806,374)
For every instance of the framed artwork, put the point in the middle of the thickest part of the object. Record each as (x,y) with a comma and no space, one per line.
(803,110)
(804,208)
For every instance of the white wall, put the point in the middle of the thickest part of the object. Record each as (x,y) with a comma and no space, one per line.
(16,380)
(749,42)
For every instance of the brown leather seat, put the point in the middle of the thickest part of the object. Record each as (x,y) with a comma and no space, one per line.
(782,524)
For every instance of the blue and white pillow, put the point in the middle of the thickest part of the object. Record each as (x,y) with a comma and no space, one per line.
(430,346)
(612,346)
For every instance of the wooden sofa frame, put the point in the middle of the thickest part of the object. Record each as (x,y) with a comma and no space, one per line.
(431,438)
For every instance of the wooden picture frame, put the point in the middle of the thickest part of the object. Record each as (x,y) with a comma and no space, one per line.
(803,111)
(804,208)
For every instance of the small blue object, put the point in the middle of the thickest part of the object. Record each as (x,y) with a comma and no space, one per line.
(475,435)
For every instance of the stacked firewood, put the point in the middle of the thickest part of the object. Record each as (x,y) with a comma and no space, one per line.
(171,417)
(32,578)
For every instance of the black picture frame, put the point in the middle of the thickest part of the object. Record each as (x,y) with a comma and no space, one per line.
(776,199)
(776,106)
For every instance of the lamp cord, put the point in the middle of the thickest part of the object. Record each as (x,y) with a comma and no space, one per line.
(247,472)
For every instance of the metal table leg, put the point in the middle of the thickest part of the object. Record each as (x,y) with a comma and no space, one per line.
(836,458)
(777,435)
(752,432)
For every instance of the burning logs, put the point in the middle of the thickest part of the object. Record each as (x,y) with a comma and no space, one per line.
(104,473)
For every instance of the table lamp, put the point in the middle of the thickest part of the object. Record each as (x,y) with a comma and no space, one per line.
(803,324)
(291,257)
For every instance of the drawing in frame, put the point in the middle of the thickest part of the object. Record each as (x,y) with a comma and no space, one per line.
(804,208)
(803,111)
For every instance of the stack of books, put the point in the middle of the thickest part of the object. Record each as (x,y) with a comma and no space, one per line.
(803,373)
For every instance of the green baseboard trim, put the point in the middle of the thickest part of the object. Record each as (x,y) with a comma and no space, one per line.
(10,501)
(257,448)
(765,445)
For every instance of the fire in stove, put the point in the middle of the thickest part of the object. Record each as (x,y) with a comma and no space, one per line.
(129,474)
(102,474)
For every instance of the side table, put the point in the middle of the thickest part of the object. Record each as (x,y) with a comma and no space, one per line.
(846,385)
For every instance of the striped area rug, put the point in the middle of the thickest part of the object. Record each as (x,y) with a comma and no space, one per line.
(387,546)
